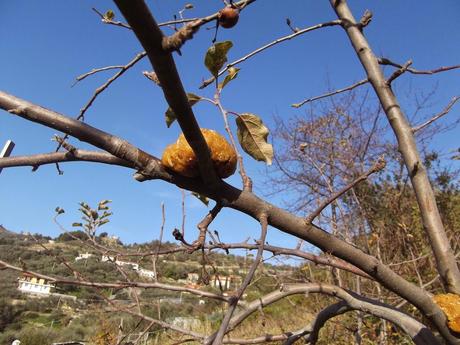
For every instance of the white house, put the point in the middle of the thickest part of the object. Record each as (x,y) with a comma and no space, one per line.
(83,256)
(146,273)
(117,262)
(226,282)
(193,277)
(33,285)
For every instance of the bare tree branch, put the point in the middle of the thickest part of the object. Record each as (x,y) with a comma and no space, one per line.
(101,88)
(223,329)
(197,21)
(326,260)
(445,111)
(106,20)
(57,157)
(386,61)
(332,93)
(378,166)
(96,70)
(399,72)
(268,45)
(232,197)
(118,285)
(110,143)
(204,224)
(150,36)
(419,333)
(445,259)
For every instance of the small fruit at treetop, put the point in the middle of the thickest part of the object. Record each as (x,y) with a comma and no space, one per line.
(228,17)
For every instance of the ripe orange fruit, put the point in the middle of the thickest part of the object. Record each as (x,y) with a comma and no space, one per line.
(180,158)
(228,17)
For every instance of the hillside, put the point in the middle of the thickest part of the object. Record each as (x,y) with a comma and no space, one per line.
(71,313)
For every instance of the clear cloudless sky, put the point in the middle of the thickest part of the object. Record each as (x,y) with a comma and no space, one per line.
(45,44)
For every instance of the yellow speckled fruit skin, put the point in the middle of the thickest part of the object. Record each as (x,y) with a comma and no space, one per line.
(450,305)
(180,158)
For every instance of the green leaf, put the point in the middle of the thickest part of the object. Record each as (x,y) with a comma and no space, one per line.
(202,198)
(252,135)
(109,15)
(216,56)
(106,214)
(103,205)
(102,222)
(84,205)
(59,210)
(86,212)
(232,74)
(77,224)
(171,116)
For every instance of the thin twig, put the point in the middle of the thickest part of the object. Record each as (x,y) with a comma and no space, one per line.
(100,89)
(399,72)
(118,285)
(111,22)
(376,167)
(388,62)
(139,17)
(247,182)
(332,93)
(104,86)
(217,338)
(182,204)
(94,71)
(126,26)
(57,157)
(445,111)
(204,224)
(157,251)
(271,44)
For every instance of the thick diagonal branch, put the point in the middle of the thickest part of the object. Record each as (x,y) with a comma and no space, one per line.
(447,266)
(230,196)
(419,333)
(151,37)
(116,146)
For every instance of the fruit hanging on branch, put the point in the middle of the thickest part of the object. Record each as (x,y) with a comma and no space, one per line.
(228,16)
(180,158)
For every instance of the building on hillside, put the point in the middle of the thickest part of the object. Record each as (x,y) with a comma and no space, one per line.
(226,282)
(192,277)
(28,283)
(106,258)
(146,273)
(140,271)
(83,256)
(189,323)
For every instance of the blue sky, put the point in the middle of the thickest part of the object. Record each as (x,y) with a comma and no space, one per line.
(46,44)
